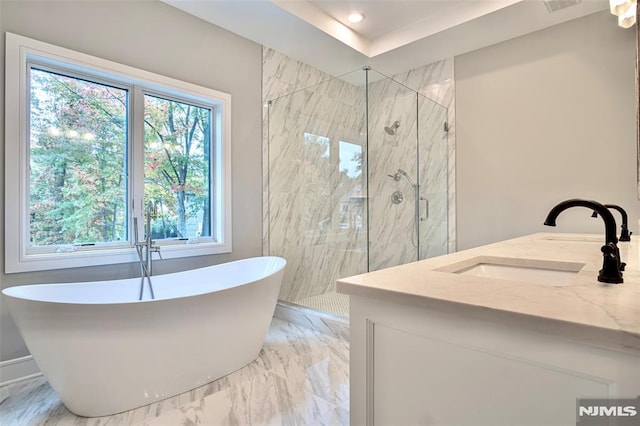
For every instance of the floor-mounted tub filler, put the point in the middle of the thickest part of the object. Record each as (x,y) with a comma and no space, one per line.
(105,352)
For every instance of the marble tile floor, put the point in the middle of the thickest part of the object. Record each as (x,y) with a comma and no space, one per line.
(300,378)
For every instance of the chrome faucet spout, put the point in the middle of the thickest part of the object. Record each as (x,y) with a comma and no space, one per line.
(612,267)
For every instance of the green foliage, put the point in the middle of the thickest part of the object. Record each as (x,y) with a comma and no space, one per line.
(78,162)
(77,188)
(177,139)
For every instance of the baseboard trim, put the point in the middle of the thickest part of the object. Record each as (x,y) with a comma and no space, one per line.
(17,370)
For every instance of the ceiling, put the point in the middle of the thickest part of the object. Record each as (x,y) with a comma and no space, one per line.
(396,35)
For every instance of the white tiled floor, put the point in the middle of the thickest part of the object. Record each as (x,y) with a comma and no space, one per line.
(300,378)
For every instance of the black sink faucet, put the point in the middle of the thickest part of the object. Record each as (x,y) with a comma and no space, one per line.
(612,267)
(625,235)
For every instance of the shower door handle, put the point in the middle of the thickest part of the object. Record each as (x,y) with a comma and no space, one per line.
(426,209)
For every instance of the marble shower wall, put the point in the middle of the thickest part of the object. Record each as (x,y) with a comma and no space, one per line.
(314,212)
(314,190)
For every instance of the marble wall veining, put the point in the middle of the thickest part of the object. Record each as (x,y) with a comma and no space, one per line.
(307,188)
(281,75)
(316,174)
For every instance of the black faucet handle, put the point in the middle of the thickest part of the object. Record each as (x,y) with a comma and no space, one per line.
(625,234)
(612,268)
(608,250)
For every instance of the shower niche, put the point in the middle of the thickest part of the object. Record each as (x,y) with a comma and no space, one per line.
(356,181)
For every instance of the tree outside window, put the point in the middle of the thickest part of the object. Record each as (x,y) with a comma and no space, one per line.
(78,180)
(177,158)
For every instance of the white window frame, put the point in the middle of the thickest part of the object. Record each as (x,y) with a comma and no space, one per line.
(19,52)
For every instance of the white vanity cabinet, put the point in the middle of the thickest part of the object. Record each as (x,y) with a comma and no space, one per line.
(434,348)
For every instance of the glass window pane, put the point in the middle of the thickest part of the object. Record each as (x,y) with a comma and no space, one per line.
(351,201)
(177,167)
(77,179)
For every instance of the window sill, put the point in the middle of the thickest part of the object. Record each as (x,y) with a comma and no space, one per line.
(111,256)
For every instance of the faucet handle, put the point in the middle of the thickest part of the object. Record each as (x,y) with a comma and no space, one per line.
(608,250)
(612,268)
(625,234)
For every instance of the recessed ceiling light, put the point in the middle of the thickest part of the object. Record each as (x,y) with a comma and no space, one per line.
(355,17)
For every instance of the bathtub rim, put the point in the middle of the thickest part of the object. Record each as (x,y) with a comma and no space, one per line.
(7,292)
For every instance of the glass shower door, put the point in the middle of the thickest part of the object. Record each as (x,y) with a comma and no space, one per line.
(316,214)
(433,155)
(392,173)
(407,174)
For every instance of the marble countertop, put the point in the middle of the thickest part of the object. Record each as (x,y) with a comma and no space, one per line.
(582,309)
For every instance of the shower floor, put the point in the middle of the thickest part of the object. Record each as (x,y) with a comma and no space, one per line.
(333,302)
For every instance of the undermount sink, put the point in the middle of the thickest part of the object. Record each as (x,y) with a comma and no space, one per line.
(534,271)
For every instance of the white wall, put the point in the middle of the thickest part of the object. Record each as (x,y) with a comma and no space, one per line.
(542,118)
(153,36)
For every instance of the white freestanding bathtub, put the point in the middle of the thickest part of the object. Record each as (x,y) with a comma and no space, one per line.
(104,351)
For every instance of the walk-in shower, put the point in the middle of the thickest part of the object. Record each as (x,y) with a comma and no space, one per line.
(330,208)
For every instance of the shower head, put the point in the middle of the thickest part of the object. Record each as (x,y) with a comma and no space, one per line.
(406,175)
(391,130)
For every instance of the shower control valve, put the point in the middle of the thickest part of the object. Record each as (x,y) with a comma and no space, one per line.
(397,197)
